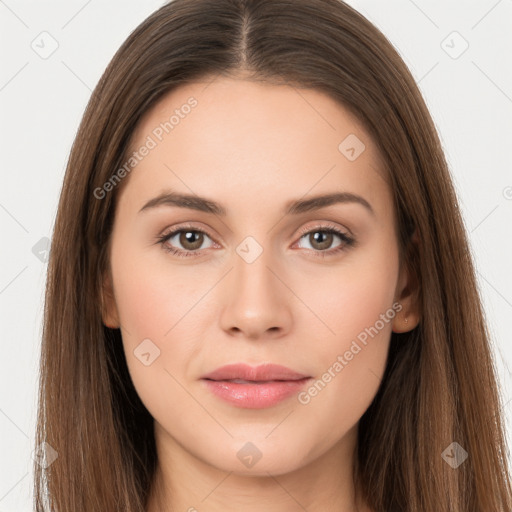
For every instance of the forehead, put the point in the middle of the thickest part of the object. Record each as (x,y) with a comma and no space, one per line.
(253,142)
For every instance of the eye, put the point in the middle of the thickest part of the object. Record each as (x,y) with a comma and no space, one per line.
(321,238)
(191,240)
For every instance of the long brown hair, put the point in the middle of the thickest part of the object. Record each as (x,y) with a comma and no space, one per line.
(440,383)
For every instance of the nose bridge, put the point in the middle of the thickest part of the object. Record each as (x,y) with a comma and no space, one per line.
(255,302)
(252,277)
(252,264)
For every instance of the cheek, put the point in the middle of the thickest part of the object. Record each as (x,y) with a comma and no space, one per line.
(350,296)
(148,306)
(153,296)
(163,304)
(355,305)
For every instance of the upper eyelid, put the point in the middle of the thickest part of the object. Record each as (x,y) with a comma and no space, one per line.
(327,226)
(175,230)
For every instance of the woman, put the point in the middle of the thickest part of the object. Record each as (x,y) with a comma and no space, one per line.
(260,294)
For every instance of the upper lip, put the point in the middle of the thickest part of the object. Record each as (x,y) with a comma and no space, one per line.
(264,372)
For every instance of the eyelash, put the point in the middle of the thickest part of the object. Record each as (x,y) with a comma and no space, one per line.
(347,241)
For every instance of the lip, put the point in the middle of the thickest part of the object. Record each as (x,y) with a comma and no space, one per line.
(262,386)
(263,372)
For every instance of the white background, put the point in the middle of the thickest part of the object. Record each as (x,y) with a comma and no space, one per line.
(42,101)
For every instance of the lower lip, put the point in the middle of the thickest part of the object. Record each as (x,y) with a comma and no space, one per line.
(255,396)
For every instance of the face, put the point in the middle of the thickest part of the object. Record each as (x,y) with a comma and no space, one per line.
(252,270)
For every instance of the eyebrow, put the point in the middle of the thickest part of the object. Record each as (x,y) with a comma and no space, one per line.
(293,207)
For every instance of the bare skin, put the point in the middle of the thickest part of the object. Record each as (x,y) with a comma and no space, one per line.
(254,148)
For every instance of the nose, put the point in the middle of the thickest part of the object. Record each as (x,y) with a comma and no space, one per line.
(256,303)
